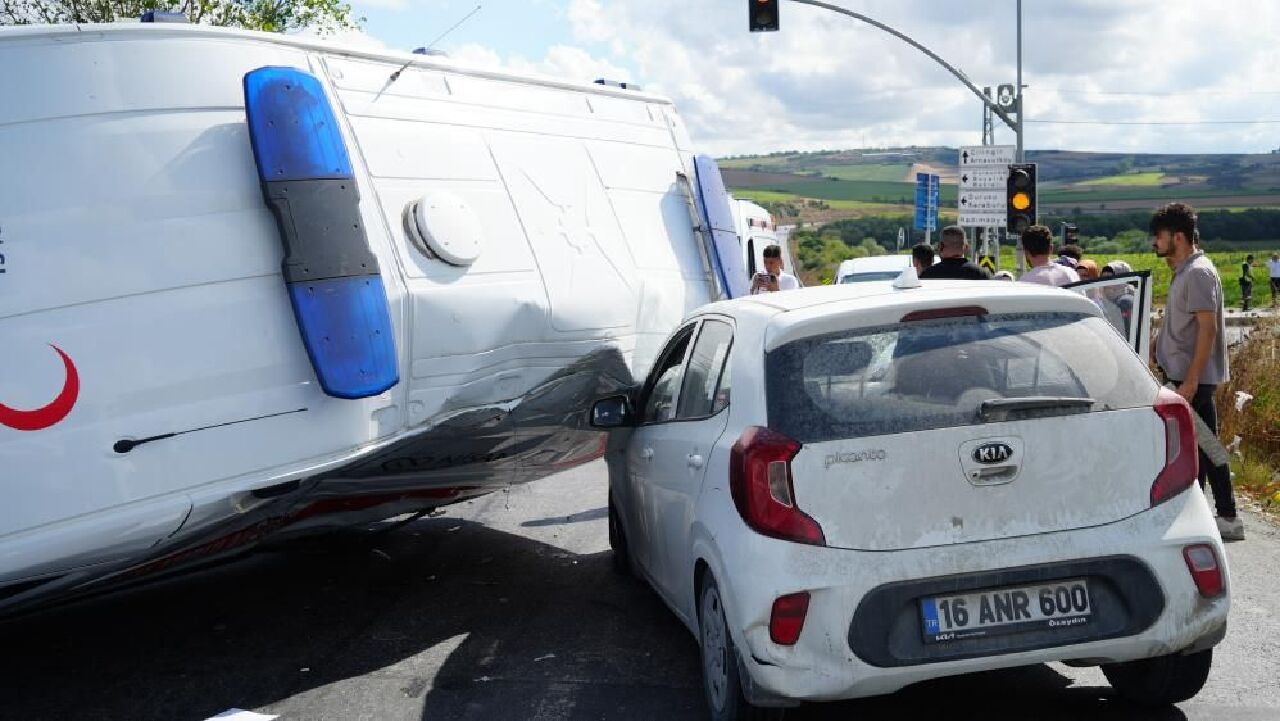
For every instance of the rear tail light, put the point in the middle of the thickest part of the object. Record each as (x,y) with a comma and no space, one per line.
(786,621)
(1204,567)
(1181,459)
(761,484)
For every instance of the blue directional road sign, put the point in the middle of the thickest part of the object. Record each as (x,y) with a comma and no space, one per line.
(927,193)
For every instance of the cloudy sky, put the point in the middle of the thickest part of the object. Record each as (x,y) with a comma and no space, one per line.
(826,81)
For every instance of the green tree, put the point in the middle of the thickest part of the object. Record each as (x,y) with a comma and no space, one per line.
(324,16)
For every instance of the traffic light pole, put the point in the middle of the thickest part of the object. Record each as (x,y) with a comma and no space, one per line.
(1015,125)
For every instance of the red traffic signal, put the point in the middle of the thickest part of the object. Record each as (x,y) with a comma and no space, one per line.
(762,15)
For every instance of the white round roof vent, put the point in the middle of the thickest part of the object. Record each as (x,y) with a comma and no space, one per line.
(444,226)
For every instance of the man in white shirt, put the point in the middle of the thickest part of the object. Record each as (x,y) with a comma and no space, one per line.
(1037,243)
(1273,268)
(773,279)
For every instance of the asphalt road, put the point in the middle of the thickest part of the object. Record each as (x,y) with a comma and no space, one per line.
(503,608)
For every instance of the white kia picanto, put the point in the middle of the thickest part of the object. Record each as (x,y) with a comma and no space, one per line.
(845,490)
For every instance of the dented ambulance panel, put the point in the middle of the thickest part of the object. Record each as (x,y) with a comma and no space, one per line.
(531,238)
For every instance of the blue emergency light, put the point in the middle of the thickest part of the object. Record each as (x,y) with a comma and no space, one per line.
(726,246)
(332,275)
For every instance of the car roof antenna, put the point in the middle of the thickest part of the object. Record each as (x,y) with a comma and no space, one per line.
(396,75)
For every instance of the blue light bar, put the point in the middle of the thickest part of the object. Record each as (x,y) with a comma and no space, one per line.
(294,133)
(156,16)
(348,334)
(331,273)
(726,246)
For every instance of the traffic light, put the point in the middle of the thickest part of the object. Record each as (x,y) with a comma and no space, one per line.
(1070,234)
(762,15)
(1020,197)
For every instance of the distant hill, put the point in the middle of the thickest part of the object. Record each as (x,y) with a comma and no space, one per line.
(852,182)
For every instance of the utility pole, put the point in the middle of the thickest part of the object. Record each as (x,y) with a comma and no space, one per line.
(1021,116)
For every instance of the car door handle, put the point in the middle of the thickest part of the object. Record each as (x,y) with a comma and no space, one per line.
(647,454)
(694,460)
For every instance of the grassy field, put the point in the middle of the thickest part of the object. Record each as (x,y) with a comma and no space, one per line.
(857,207)
(867,191)
(1255,369)
(1139,180)
(889,172)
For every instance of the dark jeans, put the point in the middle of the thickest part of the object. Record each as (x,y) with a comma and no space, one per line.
(1219,477)
(1246,294)
(1275,289)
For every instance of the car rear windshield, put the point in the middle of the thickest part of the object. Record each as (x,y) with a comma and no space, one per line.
(877,275)
(923,375)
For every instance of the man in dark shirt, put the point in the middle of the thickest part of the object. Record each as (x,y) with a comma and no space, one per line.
(954,251)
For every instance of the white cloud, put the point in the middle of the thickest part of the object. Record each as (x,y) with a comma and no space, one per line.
(827,81)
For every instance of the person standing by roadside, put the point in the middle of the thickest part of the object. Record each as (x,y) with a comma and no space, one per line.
(773,279)
(1191,347)
(1273,269)
(955,263)
(1246,282)
(1037,242)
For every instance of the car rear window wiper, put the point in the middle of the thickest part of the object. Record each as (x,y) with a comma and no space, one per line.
(1032,403)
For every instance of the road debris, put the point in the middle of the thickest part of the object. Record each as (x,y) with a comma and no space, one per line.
(235,714)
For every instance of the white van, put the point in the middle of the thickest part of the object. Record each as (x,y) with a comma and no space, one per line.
(254,283)
(881,267)
(757,231)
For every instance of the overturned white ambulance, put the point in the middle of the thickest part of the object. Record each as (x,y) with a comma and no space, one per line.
(254,284)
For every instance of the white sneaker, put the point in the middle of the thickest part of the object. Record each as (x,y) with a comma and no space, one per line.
(1232,530)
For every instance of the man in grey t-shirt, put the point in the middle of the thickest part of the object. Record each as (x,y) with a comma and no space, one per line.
(1191,347)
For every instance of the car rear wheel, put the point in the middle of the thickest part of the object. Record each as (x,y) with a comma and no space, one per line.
(618,542)
(721,679)
(1162,680)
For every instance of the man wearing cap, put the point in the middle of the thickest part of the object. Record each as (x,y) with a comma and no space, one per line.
(1191,348)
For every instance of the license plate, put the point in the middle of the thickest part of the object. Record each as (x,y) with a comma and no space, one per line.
(1061,604)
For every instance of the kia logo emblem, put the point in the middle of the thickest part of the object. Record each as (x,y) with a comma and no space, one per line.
(992,453)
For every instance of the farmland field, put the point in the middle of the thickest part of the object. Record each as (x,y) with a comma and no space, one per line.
(1144,180)
(863,190)
(891,173)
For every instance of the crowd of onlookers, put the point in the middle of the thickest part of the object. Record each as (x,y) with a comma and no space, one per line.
(1190,349)
(951,260)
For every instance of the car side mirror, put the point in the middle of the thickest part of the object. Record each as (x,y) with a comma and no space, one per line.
(612,412)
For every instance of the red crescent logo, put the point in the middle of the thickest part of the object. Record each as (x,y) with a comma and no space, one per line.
(52,414)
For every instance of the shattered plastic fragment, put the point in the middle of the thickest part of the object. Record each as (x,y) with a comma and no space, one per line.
(1242,399)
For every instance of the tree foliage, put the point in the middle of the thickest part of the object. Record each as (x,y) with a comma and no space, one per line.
(269,15)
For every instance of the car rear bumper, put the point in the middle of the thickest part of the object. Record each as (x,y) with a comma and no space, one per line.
(861,636)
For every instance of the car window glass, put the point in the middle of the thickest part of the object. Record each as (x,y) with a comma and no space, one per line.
(723,393)
(936,374)
(702,377)
(661,403)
